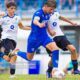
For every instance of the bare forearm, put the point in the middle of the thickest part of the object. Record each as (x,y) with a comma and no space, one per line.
(26,28)
(36,22)
(51,32)
(66,20)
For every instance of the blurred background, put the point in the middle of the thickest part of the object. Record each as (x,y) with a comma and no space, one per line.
(25,8)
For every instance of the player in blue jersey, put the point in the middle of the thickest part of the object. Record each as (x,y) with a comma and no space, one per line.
(39,36)
(9,24)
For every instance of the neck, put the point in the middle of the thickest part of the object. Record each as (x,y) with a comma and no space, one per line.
(11,15)
(44,10)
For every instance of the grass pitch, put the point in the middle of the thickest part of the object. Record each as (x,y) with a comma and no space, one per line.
(36,77)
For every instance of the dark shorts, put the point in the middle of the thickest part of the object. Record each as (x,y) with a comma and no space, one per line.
(8,44)
(61,42)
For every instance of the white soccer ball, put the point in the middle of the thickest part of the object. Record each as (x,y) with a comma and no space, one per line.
(58,74)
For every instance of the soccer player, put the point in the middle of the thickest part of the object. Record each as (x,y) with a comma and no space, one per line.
(39,36)
(61,40)
(9,24)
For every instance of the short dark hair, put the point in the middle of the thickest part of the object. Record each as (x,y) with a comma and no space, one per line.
(51,3)
(10,4)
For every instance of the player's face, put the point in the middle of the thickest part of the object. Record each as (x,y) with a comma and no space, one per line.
(49,9)
(11,10)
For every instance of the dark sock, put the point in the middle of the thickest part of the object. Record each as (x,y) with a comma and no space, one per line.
(12,69)
(75,64)
(49,69)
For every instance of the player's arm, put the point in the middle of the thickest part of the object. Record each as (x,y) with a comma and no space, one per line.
(67,20)
(2,14)
(51,32)
(22,27)
(36,22)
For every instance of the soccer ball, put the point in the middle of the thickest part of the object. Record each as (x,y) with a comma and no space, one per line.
(58,74)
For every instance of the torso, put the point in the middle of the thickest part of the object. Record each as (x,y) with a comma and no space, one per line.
(54,23)
(38,32)
(10,27)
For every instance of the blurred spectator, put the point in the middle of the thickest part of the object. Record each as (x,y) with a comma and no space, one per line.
(7,1)
(67,4)
(79,5)
(62,3)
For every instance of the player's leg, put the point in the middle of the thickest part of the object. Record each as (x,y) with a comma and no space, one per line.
(2,51)
(49,70)
(26,55)
(10,46)
(51,45)
(55,55)
(63,43)
(74,58)
(31,47)
(12,65)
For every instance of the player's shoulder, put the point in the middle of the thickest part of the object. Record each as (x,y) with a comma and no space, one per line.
(17,16)
(5,16)
(56,12)
(38,12)
(55,15)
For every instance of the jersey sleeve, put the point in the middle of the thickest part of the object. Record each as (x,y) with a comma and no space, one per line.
(37,15)
(1,21)
(18,19)
(57,14)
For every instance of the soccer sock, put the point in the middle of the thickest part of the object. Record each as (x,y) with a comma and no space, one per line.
(55,59)
(75,64)
(23,55)
(49,68)
(12,69)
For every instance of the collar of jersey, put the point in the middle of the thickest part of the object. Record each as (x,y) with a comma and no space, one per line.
(11,16)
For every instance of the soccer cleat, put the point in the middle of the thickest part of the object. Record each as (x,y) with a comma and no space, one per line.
(12,76)
(76,72)
(48,74)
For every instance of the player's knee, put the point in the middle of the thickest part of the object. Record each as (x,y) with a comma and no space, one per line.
(6,58)
(73,50)
(14,57)
(29,57)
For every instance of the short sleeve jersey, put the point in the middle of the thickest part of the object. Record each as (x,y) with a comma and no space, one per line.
(9,26)
(38,32)
(54,23)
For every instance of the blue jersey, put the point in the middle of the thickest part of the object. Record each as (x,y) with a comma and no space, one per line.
(38,36)
(36,30)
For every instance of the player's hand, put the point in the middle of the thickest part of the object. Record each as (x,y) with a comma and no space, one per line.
(42,25)
(74,24)
(53,33)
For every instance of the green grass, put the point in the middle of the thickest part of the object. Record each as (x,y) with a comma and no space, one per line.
(37,77)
